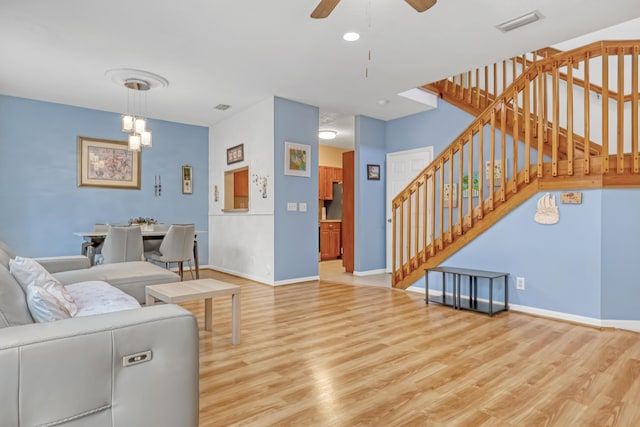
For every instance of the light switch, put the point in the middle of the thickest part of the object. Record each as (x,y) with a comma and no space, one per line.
(302,207)
(292,206)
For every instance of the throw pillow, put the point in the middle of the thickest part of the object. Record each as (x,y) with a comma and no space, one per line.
(43,306)
(97,297)
(28,271)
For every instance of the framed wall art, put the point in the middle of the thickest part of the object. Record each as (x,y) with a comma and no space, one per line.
(235,154)
(297,159)
(106,163)
(373,172)
(187,179)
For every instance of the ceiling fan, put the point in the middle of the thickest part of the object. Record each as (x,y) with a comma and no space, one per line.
(325,7)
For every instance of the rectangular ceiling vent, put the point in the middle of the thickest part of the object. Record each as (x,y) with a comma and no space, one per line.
(520,21)
(222,107)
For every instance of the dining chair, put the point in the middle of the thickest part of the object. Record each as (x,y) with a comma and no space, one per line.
(176,246)
(122,244)
(151,244)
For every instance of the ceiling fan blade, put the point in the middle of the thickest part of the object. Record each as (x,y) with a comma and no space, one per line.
(421,5)
(324,8)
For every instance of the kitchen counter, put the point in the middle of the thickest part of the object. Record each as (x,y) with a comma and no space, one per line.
(330,220)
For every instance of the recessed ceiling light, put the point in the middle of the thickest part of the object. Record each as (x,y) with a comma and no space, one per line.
(351,37)
(327,134)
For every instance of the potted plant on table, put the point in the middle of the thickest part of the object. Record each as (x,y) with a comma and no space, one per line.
(146,224)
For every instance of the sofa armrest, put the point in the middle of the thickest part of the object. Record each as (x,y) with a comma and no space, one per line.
(64,263)
(84,369)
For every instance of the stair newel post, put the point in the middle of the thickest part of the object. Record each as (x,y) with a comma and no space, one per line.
(401,246)
(481,170)
(394,241)
(570,147)
(470,182)
(441,205)
(556,118)
(503,150)
(492,156)
(620,102)
(516,137)
(587,113)
(407,237)
(459,184)
(527,129)
(432,214)
(605,109)
(540,153)
(634,109)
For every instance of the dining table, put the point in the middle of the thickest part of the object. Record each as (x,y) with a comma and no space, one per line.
(93,238)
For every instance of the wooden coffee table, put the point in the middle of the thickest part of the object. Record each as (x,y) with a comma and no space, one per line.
(193,290)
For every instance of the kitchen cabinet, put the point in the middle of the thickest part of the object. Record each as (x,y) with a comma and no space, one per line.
(241,183)
(330,240)
(327,175)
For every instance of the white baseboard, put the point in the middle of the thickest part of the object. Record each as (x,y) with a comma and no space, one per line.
(297,280)
(370,272)
(629,325)
(262,279)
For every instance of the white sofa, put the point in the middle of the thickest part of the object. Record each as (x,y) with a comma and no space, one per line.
(135,367)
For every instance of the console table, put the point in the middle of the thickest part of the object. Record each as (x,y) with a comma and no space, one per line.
(470,300)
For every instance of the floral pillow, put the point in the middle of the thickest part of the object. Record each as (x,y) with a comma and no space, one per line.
(43,306)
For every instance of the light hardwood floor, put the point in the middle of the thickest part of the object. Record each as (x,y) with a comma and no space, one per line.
(323,354)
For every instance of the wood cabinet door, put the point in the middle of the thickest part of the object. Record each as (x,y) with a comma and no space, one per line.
(337,174)
(330,240)
(241,183)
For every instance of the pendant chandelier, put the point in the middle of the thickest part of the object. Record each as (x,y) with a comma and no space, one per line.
(138,83)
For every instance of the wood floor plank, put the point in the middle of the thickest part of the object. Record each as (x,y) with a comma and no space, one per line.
(325,354)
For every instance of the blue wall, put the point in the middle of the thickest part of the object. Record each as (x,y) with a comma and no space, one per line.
(41,202)
(370,195)
(296,233)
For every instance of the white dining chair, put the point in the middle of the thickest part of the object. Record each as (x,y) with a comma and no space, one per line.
(122,244)
(151,244)
(176,247)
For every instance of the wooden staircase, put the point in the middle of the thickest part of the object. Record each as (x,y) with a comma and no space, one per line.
(539,133)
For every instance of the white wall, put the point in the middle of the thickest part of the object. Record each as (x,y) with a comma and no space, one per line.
(241,243)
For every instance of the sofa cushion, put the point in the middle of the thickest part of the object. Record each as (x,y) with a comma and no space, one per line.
(131,277)
(97,297)
(8,249)
(4,258)
(29,272)
(44,306)
(13,302)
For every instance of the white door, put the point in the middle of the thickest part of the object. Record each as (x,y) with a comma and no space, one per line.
(402,168)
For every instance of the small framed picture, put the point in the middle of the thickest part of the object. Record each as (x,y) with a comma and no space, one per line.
(297,159)
(235,154)
(187,180)
(373,172)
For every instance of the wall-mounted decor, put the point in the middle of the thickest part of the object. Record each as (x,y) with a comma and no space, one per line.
(373,172)
(497,171)
(261,182)
(235,154)
(450,191)
(547,212)
(571,198)
(297,159)
(187,179)
(157,187)
(107,163)
(474,185)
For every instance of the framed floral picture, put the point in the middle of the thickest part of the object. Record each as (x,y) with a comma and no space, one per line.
(106,163)
(297,159)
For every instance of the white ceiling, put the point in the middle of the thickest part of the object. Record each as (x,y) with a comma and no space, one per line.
(240,52)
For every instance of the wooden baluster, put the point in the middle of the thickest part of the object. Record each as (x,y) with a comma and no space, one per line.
(416,218)
(492,156)
(486,85)
(587,112)
(605,110)
(541,76)
(459,184)
(544,108)
(394,240)
(620,149)
(570,153)
(481,170)
(401,234)
(634,109)
(516,137)
(470,181)
(447,85)
(534,113)
(503,151)
(477,87)
(514,63)
(408,232)
(495,81)
(450,213)
(469,87)
(425,207)
(527,130)
(556,120)
(504,77)
(432,214)
(461,87)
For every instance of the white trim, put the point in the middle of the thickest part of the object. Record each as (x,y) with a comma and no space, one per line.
(297,280)
(243,213)
(416,289)
(369,272)
(629,325)
(591,321)
(240,274)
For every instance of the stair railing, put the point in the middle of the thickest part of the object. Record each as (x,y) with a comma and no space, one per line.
(463,191)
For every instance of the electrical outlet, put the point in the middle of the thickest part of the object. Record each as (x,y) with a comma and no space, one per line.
(520,283)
